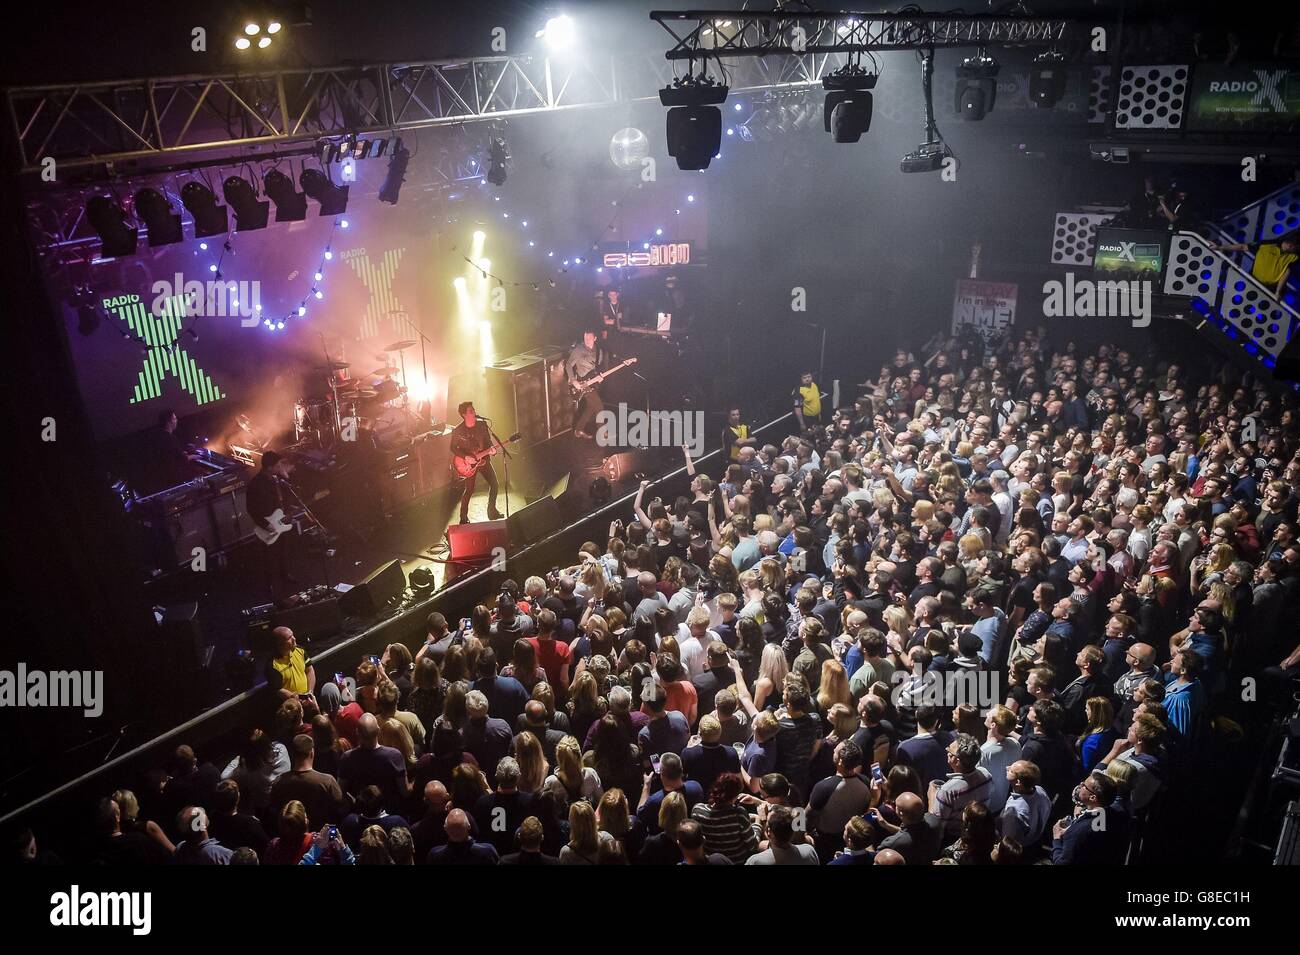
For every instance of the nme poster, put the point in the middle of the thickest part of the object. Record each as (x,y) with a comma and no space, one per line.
(989,306)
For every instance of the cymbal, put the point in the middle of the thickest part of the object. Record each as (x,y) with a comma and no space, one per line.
(348,383)
(398,346)
(381,372)
(333,366)
(358,394)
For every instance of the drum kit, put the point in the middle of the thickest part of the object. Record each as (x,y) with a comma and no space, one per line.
(358,401)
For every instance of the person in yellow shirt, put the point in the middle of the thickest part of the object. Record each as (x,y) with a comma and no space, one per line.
(289,673)
(807,402)
(736,436)
(1273,260)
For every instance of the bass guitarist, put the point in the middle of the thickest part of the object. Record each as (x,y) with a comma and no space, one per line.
(468,438)
(586,358)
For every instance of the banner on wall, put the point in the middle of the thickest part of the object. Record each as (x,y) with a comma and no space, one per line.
(1243,97)
(988,307)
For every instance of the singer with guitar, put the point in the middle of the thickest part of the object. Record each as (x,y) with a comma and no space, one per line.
(266,506)
(469,441)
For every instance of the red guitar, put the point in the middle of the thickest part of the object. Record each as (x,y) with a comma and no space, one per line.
(467,465)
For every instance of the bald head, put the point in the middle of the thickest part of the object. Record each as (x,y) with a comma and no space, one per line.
(535,712)
(889,857)
(910,808)
(368,731)
(435,794)
(457,826)
(1143,655)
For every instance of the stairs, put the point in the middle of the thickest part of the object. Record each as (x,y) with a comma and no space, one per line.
(1232,303)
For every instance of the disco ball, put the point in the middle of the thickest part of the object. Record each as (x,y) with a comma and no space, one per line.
(628,147)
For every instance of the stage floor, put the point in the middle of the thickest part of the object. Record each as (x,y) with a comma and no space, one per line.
(416,535)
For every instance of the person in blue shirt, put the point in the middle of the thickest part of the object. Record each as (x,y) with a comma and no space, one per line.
(1185,696)
(989,627)
(858,836)
(1098,835)
(1205,636)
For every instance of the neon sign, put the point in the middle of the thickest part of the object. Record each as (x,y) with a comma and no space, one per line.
(658,255)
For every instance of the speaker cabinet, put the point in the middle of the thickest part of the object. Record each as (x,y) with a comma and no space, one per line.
(474,545)
(530,524)
(186,687)
(323,618)
(376,592)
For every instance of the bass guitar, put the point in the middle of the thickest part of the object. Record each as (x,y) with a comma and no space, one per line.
(580,388)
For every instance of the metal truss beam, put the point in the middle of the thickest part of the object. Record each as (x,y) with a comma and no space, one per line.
(175,118)
(725,34)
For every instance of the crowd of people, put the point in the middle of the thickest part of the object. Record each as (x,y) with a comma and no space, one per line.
(991,613)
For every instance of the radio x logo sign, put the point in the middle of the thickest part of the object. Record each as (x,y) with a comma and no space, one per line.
(378,280)
(1269,80)
(1126,251)
(164,357)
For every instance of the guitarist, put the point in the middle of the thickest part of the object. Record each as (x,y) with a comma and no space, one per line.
(468,437)
(263,498)
(586,359)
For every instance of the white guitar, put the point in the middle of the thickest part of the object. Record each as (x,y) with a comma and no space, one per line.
(278,526)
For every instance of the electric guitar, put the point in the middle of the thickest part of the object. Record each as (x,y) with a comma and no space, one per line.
(467,465)
(278,526)
(580,388)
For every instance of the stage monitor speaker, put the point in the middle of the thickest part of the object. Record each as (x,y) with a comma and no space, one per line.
(626,465)
(473,546)
(323,618)
(531,523)
(376,592)
(187,687)
(1288,361)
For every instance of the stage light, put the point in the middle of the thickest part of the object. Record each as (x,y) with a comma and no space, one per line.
(1047,79)
(273,27)
(109,221)
(388,192)
(846,114)
(458,282)
(252,29)
(478,235)
(209,218)
(333,199)
(263,42)
(155,212)
(559,32)
(250,212)
(498,156)
(290,205)
(977,86)
(694,120)
(241,43)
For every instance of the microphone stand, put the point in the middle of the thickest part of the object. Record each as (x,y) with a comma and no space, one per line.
(505,464)
(324,557)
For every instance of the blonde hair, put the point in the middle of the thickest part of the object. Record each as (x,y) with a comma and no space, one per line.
(766,725)
(582,828)
(773,664)
(613,813)
(834,685)
(896,618)
(672,813)
(971,545)
(843,719)
(532,762)
(568,763)
(922,511)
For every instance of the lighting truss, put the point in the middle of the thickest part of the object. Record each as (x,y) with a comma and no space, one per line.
(157,122)
(727,34)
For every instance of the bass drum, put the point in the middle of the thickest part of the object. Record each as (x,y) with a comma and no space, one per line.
(313,420)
